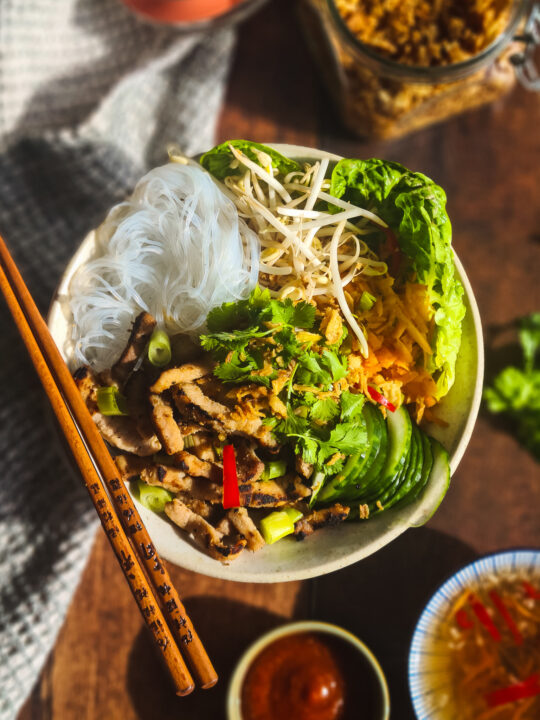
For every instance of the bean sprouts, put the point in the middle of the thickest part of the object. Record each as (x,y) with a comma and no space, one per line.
(306,251)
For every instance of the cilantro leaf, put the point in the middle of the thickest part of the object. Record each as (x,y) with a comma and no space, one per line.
(233,315)
(324,410)
(351,405)
(282,312)
(337,367)
(309,447)
(348,438)
(516,392)
(529,336)
(304,315)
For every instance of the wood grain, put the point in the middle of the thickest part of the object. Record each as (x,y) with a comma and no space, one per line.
(488,163)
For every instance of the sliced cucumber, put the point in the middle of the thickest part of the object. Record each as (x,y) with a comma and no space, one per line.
(363,485)
(380,500)
(414,469)
(437,484)
(399,442)
(342,485)
(357,487)
(427,464)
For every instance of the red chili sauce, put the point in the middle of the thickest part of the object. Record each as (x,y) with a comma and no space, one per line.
(308,676)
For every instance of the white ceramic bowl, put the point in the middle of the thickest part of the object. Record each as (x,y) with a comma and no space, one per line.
(234,694)
(332,548)
(429,680)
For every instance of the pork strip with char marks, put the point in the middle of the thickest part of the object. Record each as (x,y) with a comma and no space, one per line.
(120,431)
(168,477)
(246,527)
(192,465)
(203,445)
(318,519)
(166,426)
(248,465)
(195,406)
(141,331)
(203,533)
(183,374)
(136,392)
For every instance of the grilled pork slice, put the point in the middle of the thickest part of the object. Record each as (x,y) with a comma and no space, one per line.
(266,493)
(179,375)
(201,507)
(203,533)
(86,382)
(192,465)
(142,329)
(246,527)
(122,432)
(192,416)
(318,519)
(202,445)
(303,468)
(206,404)
(168,477)
(249,466)
(166,426)
(136,392)
(195,406)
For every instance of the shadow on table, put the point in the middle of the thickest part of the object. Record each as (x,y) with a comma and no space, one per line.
(228,628)
(380,599)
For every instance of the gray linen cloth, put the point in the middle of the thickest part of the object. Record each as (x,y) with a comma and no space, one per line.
(89,98)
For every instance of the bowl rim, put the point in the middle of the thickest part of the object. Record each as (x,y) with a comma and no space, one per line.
(234,688)
(514,556)
(413,515)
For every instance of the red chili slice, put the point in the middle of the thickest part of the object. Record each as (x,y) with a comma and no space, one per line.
(531,590)
(485,618)
(376,395)
(528,688)
(509,620)
(231,493)
(463,619)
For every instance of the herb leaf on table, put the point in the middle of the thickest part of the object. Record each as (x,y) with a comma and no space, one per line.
(516,392)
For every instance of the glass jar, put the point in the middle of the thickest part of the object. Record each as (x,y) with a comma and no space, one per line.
(379,97)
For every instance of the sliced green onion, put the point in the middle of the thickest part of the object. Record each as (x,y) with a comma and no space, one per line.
(110,401)
(274,469)
(293,513)
(316,484)
(153,498)
(159,348)
(189,442)
(275,526)
(367,301)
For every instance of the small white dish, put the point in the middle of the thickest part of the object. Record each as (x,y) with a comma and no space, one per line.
(333,548)
(234,693)
(428,673)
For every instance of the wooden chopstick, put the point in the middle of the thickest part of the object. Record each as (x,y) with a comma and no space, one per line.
(95,463)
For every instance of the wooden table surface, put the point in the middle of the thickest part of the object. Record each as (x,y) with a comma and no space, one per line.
(103,665)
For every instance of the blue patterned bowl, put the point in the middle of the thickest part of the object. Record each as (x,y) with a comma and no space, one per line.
(428,669)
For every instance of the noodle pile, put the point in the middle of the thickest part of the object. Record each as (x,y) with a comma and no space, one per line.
(175,249)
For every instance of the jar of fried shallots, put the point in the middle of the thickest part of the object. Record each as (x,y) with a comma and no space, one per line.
(394,66)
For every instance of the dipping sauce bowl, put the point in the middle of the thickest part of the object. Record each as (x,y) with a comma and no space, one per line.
(308,671)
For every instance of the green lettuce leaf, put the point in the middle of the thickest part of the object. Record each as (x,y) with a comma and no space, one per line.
(218,160)
(415,209)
